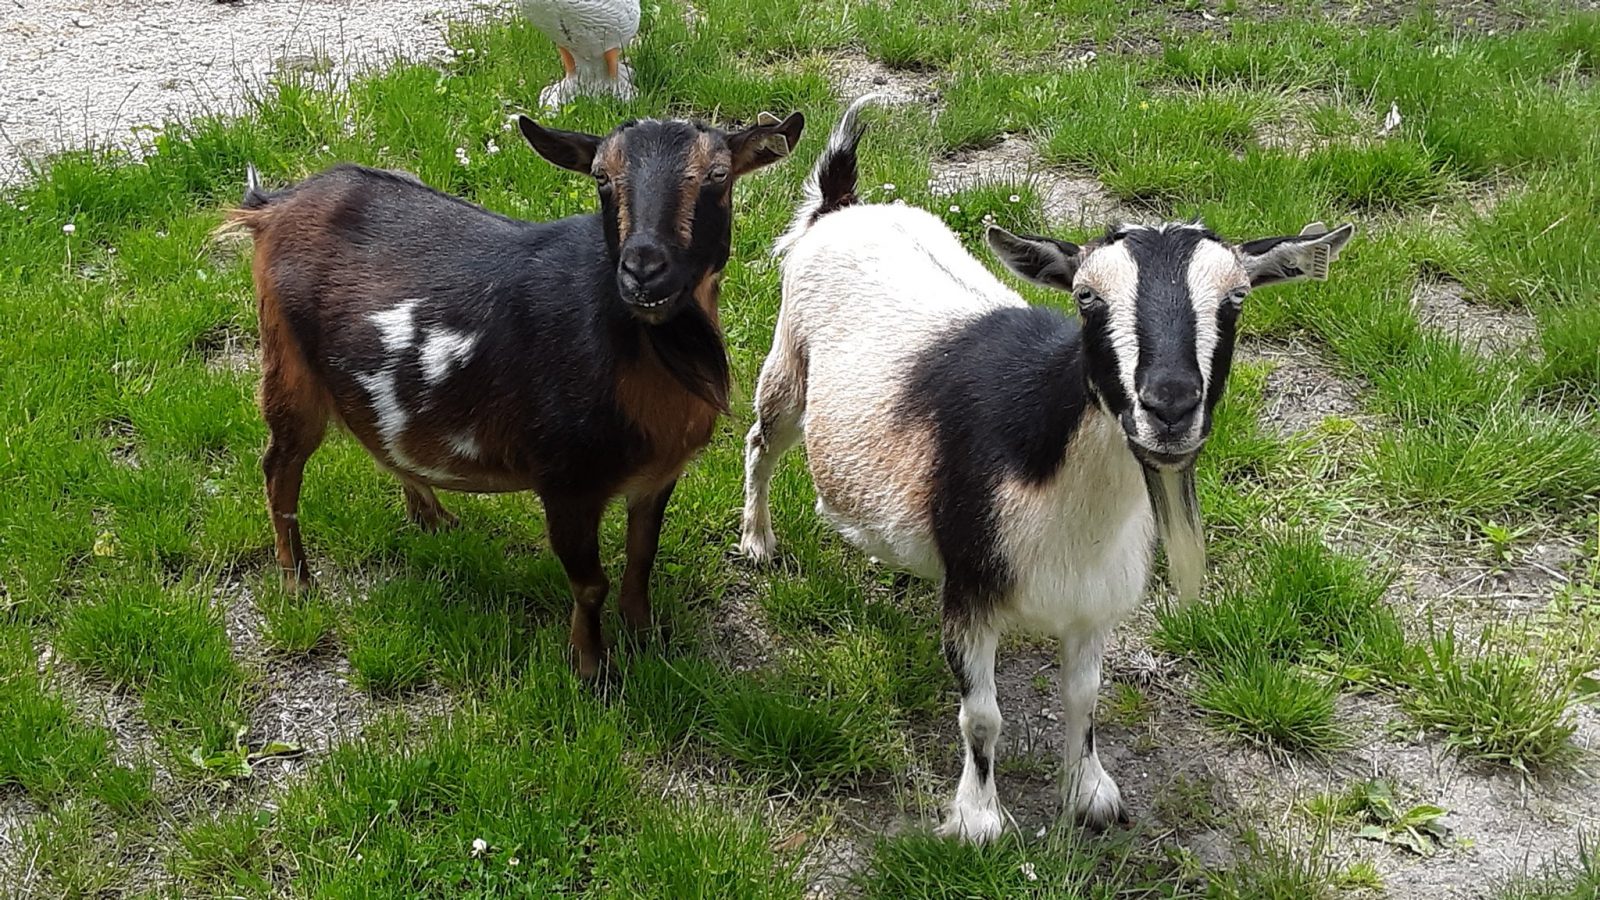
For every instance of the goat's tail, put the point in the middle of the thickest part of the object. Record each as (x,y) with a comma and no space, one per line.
(832,183)
(251,215)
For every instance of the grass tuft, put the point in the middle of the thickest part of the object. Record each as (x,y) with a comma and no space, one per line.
(1501,701)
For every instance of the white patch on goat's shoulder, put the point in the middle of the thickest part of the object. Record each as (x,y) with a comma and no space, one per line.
(397,325)
(465,444)
(392,419)
(443,348)
(1113,273)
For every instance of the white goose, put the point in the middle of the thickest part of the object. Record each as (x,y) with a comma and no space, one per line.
(590,35)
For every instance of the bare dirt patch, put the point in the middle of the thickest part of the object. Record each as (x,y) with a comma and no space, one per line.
(99,72)
(226,349)
(854,76)
(738,636)
(1442,306)
(1066,199)
(1303,388)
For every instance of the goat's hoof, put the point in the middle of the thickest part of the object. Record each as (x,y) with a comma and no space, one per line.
(435,522)
(972,824)
(758,546)
(298,582)
(1102,809)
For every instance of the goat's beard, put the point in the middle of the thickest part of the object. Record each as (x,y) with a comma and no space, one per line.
(1177,512)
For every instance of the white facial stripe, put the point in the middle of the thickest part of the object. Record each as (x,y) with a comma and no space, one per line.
(396,325)
(443,348)
(1213,272)
(1112,271)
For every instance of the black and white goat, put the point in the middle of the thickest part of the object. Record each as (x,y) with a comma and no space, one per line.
(1010,452)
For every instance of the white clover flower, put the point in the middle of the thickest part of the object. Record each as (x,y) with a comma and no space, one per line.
(888,186)
(954,208)
(462,157)
(1027,870)
(513,861)
(479,845)
(1014,198)
(325,148)
(69,229)
(490,147)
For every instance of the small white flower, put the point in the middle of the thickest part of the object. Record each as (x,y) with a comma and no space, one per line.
(513,861)
(1027,870)
(69,228)
(462,157)
(988,218)
(955,208)
(491,147)
(1014,198)
(479,845)
(324,148)
(888,186)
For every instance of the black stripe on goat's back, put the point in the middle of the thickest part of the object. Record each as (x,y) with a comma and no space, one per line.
(1003,394)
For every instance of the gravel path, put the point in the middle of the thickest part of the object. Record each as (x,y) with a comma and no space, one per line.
(74,72)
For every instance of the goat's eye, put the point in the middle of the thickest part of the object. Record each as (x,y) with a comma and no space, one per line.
(718,174)
(1086,297)
(602,179)
(1237,295)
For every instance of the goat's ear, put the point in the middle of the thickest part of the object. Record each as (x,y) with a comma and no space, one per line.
(765,142)
(1277,260)
(1041,260)
(568,149)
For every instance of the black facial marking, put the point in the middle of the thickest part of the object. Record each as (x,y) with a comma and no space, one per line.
(1165,310)
(656,158)
(1004,394)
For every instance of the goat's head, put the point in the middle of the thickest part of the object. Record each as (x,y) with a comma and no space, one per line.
(666,192)
(1159,307)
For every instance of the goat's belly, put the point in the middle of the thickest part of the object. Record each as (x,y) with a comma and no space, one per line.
(896,544)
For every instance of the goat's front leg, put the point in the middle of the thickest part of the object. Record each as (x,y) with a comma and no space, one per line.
(645,515)
(1086,790)
(574,526)
(969,647)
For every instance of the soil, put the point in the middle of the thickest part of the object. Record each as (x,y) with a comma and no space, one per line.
(103,72)
(1303,388)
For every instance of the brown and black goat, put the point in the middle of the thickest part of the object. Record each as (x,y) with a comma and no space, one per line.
(581,359)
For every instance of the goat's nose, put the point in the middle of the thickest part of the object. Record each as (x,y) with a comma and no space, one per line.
(644,263)
(1172,401)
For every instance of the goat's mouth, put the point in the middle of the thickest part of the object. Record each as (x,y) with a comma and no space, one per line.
(1167,458)
(649,307)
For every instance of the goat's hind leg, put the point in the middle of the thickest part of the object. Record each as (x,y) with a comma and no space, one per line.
(969,647)
(780,402)
(295,408)
(1087,791)
(424,509)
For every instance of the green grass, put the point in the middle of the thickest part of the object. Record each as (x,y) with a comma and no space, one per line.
(133,532)
(1502,701)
